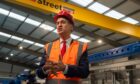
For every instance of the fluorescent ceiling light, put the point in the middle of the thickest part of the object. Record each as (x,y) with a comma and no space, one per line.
(3,11)
(17,38)
(38,63)
(38,44)
(84,40)
(20,47)
(26,69)
(20,39)
(4,34)
(28,41)
(74,36)
(46,27)
(17,16)
(100,41)
(115,14)
(130,20)
(6,58)
(32,22)
(99,8)
(11,54)
(83,3)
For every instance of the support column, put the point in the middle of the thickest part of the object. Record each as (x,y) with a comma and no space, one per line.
(130,72)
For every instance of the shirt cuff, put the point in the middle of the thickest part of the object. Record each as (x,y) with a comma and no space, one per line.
(45,72)
(66,70)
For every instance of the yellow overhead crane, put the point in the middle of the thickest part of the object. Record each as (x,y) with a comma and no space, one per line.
(82,15)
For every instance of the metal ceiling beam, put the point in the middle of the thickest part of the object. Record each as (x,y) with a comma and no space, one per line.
(136,1)
(13,62)
(26,10)
(111,42)
(130,14)
(106,44)
(6,18)
(77,29)
(97,47)
(16,48)
(117,5)
(92,18)
(21,35)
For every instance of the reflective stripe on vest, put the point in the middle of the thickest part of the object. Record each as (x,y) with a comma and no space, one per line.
(49,49)
(79,52)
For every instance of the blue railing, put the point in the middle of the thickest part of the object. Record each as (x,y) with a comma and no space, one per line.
(119,52)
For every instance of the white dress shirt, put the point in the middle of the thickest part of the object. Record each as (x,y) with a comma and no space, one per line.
(68,42)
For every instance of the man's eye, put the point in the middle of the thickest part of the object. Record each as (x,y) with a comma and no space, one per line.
(63,22)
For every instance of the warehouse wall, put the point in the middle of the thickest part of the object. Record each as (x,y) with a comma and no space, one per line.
(9,69)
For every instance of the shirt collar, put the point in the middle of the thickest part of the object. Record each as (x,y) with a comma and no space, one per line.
(68,41)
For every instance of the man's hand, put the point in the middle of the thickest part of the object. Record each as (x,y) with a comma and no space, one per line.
(53,67)
(48,65)
(59,66)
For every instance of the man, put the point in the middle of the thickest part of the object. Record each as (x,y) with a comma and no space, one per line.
(65,60)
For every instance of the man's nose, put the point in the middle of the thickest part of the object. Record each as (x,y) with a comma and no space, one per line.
(59,24)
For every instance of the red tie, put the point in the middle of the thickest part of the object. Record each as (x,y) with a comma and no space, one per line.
(63,50)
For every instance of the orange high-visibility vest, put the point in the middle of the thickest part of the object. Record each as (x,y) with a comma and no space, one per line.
(71,56)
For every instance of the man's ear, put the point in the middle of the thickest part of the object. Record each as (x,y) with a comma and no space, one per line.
(72,28)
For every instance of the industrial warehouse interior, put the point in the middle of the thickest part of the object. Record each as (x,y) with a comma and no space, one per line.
(113,54)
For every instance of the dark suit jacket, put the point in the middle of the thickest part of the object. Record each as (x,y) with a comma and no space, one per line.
(81,71)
